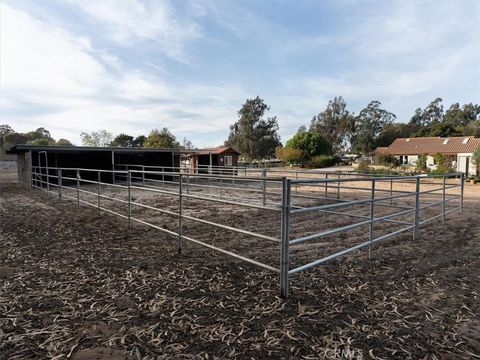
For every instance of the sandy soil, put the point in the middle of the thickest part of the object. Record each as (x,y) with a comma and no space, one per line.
(78,285)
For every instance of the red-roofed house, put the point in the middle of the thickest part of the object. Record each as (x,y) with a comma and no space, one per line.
(458,150)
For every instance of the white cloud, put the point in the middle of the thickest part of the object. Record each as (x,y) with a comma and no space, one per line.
(128,22)
(404,54)
(82,89)
(45,59)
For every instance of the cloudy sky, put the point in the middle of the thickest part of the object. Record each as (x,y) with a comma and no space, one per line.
(132,65)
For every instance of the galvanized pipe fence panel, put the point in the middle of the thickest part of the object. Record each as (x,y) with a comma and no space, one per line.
(273,194)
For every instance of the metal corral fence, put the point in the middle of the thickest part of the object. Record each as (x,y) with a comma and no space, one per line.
(371,208)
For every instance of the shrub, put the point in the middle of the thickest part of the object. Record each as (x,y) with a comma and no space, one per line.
(422,163)
(386,160)
(321,161)
(289,155)
(363,166)
(443,165)
(476,157)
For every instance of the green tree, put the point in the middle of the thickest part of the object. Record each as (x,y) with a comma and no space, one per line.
(5,130)
(100,138)
(139,141)
(392,131)
(187,144)
(14,138)
(42,141)
(431,116)
(460,116)
(252,135)
(310,143)
(368,125)
(472,129)
(41,136)
(122,140)
(433,113)
(161,139)
(335,123)
(64,142)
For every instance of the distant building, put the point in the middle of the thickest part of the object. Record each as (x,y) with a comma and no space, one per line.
(457,150)
(49,157)
(207,160)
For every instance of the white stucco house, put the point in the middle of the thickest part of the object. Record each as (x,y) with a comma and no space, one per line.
(458,150)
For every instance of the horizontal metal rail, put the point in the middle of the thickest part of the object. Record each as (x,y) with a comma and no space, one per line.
(349,250)
(440,215)
(256,185)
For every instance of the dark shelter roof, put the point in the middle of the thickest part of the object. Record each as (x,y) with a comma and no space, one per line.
(21,148)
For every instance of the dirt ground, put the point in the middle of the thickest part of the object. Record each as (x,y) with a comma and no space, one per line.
(76,284)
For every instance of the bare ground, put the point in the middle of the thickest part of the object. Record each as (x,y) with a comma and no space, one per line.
(77,285)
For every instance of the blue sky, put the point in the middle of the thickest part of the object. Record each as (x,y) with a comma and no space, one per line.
(132,65)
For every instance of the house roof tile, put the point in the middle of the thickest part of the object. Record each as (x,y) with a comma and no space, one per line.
(433,145)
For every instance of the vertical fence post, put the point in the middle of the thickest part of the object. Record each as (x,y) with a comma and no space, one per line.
(462,179)
(99,179)
(143,175)
(221,183)
(163,179)
(59,175)
(391,191)
(113,168)
(338,184)
(370,233)
(264,187)
(129,184)
(326,197)
(40,170)
(180,214)
(296,178)
(443,201)
(47,174)
(284,253)
(78,188)
(417,209)
(188,183)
